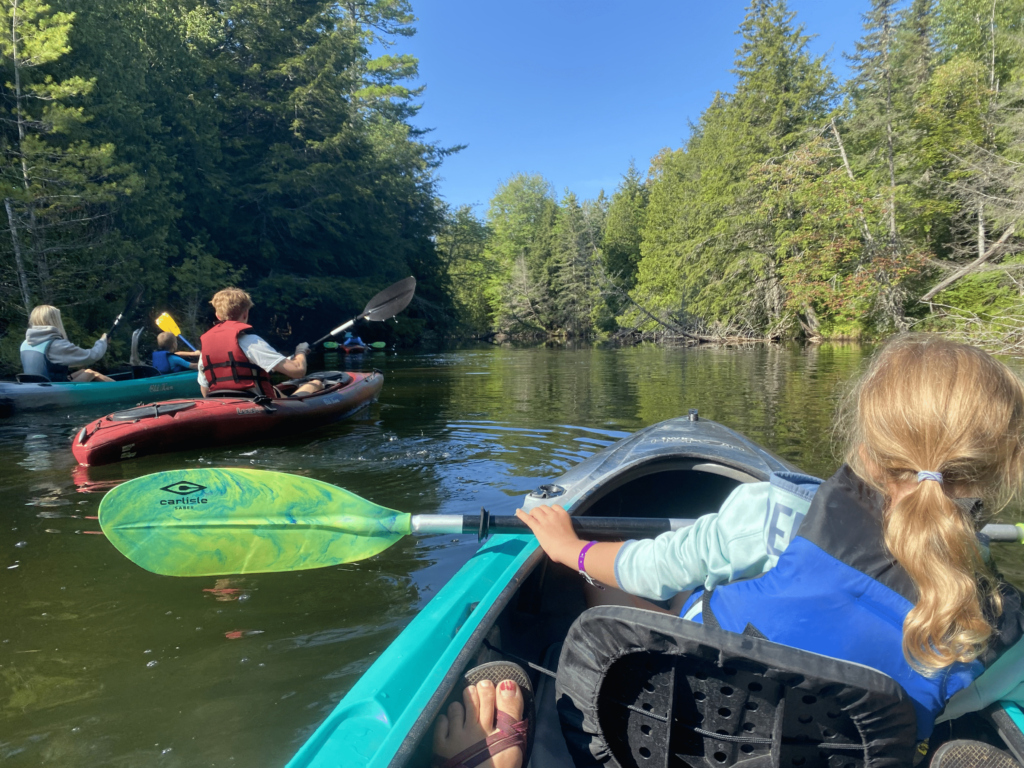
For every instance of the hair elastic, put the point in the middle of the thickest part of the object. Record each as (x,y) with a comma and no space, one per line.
(936,476)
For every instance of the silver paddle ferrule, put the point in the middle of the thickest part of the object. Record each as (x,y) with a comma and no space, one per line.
(344,326)
(1003,532)
(676,523)
(436,524)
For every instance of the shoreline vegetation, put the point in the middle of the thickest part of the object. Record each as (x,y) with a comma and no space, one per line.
(271,144)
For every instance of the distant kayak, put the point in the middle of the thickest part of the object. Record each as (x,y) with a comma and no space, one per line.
(350,349)
(180,425)
(16,397)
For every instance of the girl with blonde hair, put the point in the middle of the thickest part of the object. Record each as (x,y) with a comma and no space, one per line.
(46,351)
(882,564)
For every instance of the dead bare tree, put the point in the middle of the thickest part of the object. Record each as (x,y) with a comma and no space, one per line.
(990,187)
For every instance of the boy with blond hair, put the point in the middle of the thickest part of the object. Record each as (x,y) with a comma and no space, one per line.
(167,358)
(233,359)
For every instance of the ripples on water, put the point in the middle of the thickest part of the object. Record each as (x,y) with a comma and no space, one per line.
(103,664)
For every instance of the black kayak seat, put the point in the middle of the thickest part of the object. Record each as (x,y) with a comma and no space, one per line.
(246,394)
(327,377)
(638,688)
(31,378)
(144,372)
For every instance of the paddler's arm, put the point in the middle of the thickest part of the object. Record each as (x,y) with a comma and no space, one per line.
(202,380)
(294,367)
(717,549)
(63,352)
(556,536)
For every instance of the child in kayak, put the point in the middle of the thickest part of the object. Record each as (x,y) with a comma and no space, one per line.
(47,352)
(879,565)
(235,360)
(167,358)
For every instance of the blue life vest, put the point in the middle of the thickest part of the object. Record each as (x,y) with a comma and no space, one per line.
(836,591)
(160,361)
(35,362)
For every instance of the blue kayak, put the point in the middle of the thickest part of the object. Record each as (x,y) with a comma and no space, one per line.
(16,397)
(508,602)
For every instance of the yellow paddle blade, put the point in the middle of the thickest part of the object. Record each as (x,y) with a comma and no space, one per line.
(166,323)
(204,522)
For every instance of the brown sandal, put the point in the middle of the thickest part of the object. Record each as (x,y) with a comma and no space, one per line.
(511,733)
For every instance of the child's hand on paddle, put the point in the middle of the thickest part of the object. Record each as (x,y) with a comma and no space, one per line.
(553,529)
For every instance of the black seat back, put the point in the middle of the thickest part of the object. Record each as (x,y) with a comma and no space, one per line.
(144,372)
(31,378)
(638,688)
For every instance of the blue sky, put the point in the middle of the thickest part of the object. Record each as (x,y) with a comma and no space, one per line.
(573,90)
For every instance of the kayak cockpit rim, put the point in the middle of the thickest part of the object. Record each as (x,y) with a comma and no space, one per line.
(630,473)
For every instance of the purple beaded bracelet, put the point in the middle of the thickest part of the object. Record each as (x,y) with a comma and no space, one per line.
(582,567)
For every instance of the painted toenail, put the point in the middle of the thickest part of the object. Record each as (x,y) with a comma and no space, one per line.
(485,683)
(508,689)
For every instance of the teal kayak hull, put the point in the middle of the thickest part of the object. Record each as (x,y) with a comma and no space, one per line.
(16,397)
(369,726)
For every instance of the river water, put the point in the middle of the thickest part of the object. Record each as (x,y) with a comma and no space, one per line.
(104,664)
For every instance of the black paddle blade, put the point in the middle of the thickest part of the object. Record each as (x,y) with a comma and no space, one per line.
(390,301)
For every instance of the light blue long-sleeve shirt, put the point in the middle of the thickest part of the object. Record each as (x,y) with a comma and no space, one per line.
(745,538)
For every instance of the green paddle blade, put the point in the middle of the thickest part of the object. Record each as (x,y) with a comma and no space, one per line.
(211,522)
(330,345)
(375,344)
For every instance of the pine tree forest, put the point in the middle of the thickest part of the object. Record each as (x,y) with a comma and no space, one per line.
(799,207)
(188,144)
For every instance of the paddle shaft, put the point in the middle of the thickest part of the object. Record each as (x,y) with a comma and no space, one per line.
(599,528)
(336,331)
(384,305)
(585,527)
(128,307)
(166,323)
(186,342)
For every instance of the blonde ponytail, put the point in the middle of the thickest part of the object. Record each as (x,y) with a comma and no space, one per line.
(928,404)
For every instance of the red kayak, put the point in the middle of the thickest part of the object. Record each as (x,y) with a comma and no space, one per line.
(180,425)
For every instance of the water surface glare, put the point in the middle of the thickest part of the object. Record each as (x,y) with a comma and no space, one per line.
(104,664)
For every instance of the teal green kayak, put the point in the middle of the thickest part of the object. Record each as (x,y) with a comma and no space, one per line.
(16,397)
(508,602)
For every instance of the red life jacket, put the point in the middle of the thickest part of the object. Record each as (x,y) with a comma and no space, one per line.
(221,351)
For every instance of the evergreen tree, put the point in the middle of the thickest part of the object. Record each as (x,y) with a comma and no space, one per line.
(60,188)
(873,89)
(576,262)
(705,256)
(620,246)
(986,31)
(461,245)
(781,88)
(521,218)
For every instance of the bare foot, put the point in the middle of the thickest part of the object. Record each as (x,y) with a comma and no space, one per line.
(473,721)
